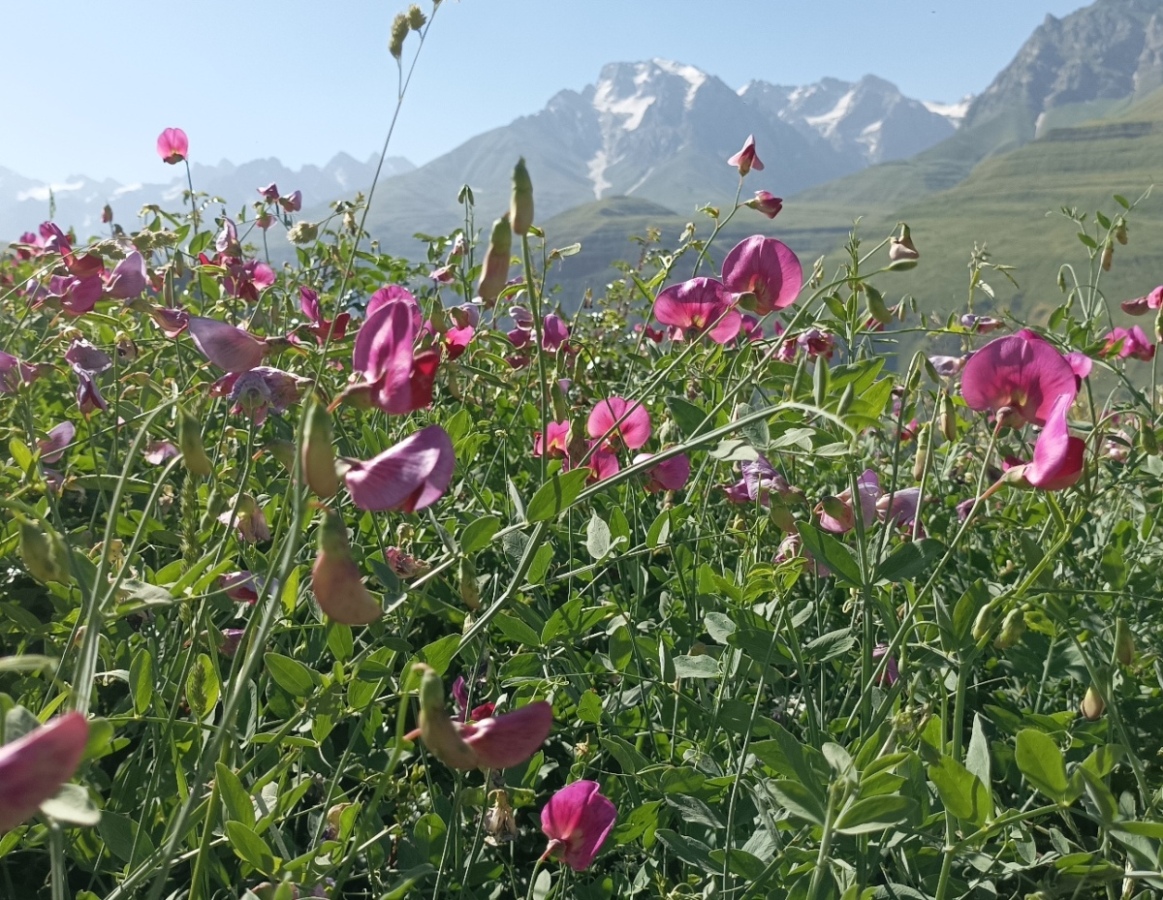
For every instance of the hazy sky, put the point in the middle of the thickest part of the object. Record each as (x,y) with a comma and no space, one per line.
(88,85)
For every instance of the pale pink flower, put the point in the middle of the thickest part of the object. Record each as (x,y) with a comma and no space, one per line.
(173,146)
(628,423)
(746,159)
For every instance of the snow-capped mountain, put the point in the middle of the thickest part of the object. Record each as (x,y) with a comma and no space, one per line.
(25,203)
(869,120)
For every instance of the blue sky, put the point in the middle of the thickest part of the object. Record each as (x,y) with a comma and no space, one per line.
(90,85)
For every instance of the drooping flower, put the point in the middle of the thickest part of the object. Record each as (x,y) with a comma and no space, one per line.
(766,269)
(248,518)
(270,193)
(815,342)
(1021,372)
(14,373)
(411,475)
(292,202)
(172,322)
(496,742)
(320,326)
(35,765)
(336,580)
(699,306)
(405,565)
(765,202)
(128,279)
(53,447)
(554,333)
(263,390)
(1129,342)
(947,366)
(838,514)
(558,444)
(456,340)
(1141,305)
(76,295)
(899,506)
(577,819)
(246,587)
(173,146)
(746,159)
(669,475)
(1058,455)
(230,348)
(628,423)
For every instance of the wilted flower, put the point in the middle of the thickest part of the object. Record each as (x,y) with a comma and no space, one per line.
(35,765)
(766,203)
(245,587)
(157,452)
(263,390)
(405,565)
(767,270)
(173,146)
(413,474)
(746,160)
(336,580)
(499,823)
(577,819)
(248,518)
(463,713)
(981,324)
(14,373)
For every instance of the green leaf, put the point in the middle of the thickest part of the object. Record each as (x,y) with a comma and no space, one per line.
(977,754)
(597,537)
(439,653)
(574,620)
(21,455)
(542,560)
(202,686)
(696,667)
(516,630)
(831,645)
(690,851)
(478,533)
(141,683)
(235,799)
(910,560)
(799,800)
(125,838)
(73,805)
(556,495)
(875,814)
(290,674)
(690,419)
(1040,760)
(829,552)
(250,848)
(961,791)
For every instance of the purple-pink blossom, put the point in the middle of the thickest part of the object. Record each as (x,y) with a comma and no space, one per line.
(765,268)
(577,820)
(411,475)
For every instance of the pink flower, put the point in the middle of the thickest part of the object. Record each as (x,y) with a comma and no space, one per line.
(577,819)
(981,324)
(172,322)
(899,506)
(558,444)
(838,514)
(404,565)
(35,765)
(14,373)
(1080,365)
(766,203)
(497,742)
(173,146)
(77,296)
(1140,305)
(321,327)
(248,518)
(264,389)
(456,340)
(1128,342)
(765,268)
(891,673)
(1022,373)
(395,380)
(228,347)
(746,160)
(159,451)
(603,463)
(629,423)
(464,714)
(699,306)
(413,474)
(554,333)
(293,202)
(815,343)
(242,587)
(53,447)
(128,279)
(947,366)
(270,193)
(1058,456)
(668,475)
(393,293)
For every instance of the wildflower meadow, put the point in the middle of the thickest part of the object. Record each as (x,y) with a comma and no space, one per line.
(353,576)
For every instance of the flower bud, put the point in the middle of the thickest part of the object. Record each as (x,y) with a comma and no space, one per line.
(947,421)
(521,202)
(336,580)
(1124,643)
(399,32)
(318,457)
(302,233)
(44,552)
(924,445)
(469,591)
(107,215)
(1013,626)
(902,250)
(983,622)
(1121,232)
(1108,253)
(495,271)
(1092,705)
(190,443)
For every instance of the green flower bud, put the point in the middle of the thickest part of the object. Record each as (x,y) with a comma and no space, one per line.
(876,305)
(318,457)
(924,445)
(399,32)
(436,728)
(521,202)
(416,17)
(469,591)
(1124,643)
(1092,706)
(1108,253)
(948,419)
(983,622)
(190,443)
(44,552)
(495,271)
(1013,626)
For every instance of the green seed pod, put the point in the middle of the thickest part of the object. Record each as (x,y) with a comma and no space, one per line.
(469,591)
(495,271)
(1013,626)
(846,399)
(190,443)
(398,34)
(318,456)
(521,202)
(983,622)
(1092,706)
(876,305)
(1121,232)
(44,552)
(948,419)
(924,446)
(1124,643)
(1108,253)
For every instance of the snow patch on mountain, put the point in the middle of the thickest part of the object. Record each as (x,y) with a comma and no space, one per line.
(597,173)
(954,112)
(695,78)
(632,108)
(830,121)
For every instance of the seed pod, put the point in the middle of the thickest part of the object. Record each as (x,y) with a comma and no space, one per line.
(521,202)
(1124,643)
(1092,705)
(846,399)
(318,456)
(983,622)
(1013,626)
(1108,253)
(1121,232)
(469,591)
(190,443)
(336,580)
(948,419)
(876,305)
(924,445)
(495,271)
(44,552)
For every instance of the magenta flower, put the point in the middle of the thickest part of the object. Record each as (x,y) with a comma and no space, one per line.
(456,340)
(85,359)
(172,322)
(263,390)
(947,366)
(981,324)
(554,333)
(173,146)
(577,820)
(1058,455)
(1141,305)
(293,202)
(1129,342)
(766,203)
(270,193)
(228,347)
(393,293)
(244,587)
(628,424)
(1080,365)
(34,766)
(128,279)
(603,463)
(413,474)
(557,446)
(746,160)
(891,673)
(838,514)
(699,306)
(899,506)
(765,268)
(14,373)
(157,452)
(815,342)
(463,713)
(1022,373)
(668,475)
(321,327)
(76,296)
(53,447)
(395,380)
